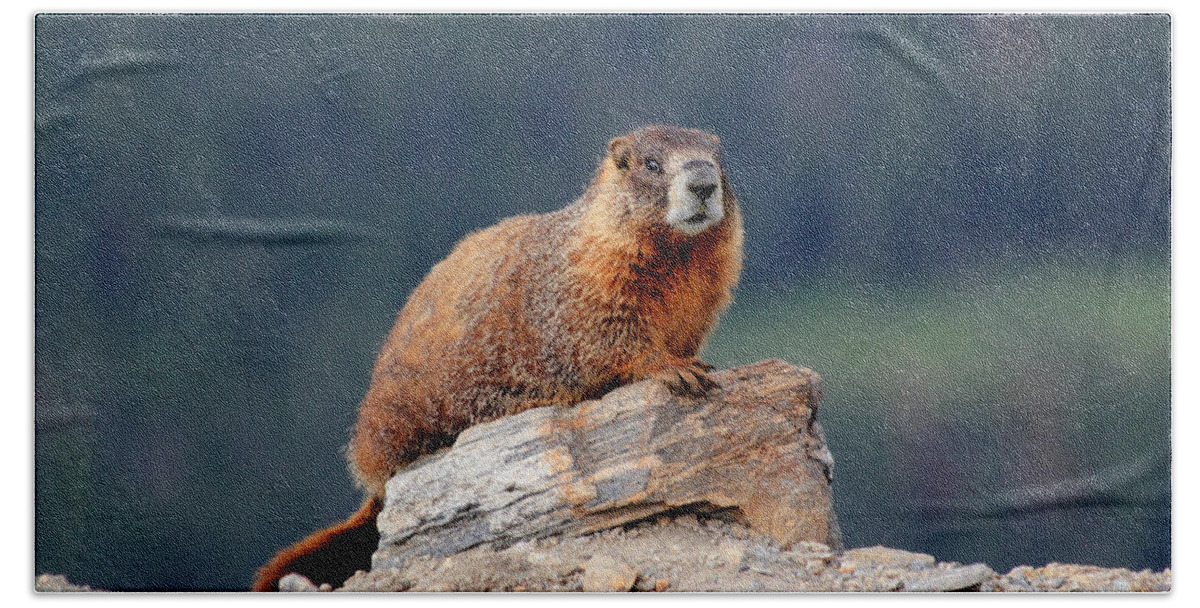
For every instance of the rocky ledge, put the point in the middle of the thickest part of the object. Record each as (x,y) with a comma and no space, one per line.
(709,554)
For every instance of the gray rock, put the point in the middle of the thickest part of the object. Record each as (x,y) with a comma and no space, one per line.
(951,579)
(891,557)
(58,583)
(297,583)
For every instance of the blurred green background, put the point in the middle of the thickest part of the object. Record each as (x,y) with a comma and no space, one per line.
(961,221)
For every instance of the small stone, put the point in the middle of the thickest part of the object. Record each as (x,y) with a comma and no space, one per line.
(893,557)
(810,547)
(325,587)
(761,570)
(57,583)
(661,584)
(733,553)
(952,579)
(297,583)
(605,573)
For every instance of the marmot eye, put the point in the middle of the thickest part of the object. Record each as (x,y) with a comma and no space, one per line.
(652,165)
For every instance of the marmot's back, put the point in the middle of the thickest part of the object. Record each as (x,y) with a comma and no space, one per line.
(464,348)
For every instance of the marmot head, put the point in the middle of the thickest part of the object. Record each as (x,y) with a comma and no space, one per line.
(673,176)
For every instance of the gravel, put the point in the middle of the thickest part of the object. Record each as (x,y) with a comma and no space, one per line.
(688,554)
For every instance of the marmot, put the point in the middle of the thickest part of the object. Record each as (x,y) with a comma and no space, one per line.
(625,283)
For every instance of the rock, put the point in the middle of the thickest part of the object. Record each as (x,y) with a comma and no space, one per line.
(297,583)
(1075,577)
(605,573)
(950,579)
(892,557)
(57,583)
(752,451)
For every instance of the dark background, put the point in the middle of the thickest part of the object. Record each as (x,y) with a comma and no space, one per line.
(962,222)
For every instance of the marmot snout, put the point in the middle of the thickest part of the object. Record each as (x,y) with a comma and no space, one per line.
(695,201)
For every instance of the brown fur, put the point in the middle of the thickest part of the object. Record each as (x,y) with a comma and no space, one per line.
(545,310)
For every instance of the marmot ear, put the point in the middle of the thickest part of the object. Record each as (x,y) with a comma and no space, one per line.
(621,149)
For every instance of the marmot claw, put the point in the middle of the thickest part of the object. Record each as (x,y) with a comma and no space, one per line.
(689,380)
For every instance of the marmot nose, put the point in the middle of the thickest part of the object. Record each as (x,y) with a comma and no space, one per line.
(702,191)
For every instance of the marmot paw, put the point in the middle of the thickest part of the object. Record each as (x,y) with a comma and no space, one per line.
(690,379)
